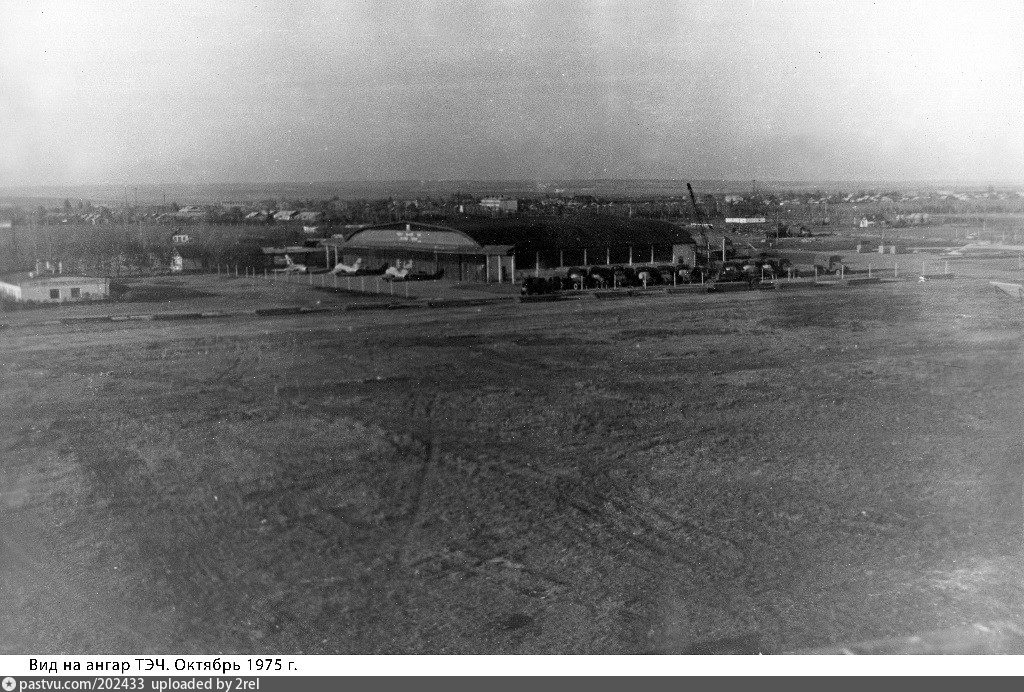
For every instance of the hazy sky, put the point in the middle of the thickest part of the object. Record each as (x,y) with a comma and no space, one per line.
(105,91)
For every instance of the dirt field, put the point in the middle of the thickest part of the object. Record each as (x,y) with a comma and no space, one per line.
(782,469)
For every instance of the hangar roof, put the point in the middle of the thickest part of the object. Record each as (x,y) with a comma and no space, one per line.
(469,234)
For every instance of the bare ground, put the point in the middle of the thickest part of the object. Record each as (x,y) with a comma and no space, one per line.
(778,469)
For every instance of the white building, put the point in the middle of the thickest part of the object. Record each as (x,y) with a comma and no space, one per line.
(500,204)
(191,212)
(53,288)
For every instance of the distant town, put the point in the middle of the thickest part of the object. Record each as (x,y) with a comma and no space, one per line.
(557,229)
(887,206)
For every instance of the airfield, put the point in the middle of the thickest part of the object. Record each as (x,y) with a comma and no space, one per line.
(762,470)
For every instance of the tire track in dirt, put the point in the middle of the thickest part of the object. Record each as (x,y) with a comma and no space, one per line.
(498,567)
(415,502)
(632,522)
(637,525)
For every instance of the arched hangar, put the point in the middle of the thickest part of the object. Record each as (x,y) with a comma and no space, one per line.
(430,247)
(485,249)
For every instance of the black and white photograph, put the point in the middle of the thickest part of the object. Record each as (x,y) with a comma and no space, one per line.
(682,328)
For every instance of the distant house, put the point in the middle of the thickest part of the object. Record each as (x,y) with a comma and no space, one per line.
(915,219)
(190,213)
(31,287)
(285,215)
(258,216)
(500,205)
(184,264)
(100,216)
(309,217)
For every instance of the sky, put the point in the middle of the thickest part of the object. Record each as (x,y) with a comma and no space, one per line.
(212,91)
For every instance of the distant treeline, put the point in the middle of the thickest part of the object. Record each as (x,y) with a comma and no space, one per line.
(92,248)
(81,233)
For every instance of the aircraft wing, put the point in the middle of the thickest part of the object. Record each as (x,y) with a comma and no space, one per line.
(1014,290)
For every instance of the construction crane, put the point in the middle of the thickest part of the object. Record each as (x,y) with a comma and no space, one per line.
(693,199)
(702,223)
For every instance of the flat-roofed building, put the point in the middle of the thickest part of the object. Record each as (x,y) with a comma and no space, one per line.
(53,288)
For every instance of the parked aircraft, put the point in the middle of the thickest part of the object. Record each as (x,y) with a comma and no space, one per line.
(290,267)
(399,271)
(402,271)
(1014,290)
(986,251)
(342,268)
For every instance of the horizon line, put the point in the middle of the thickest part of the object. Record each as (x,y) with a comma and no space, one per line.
(530,181)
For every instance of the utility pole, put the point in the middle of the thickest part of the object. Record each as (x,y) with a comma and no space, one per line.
(124,216)
(15,263)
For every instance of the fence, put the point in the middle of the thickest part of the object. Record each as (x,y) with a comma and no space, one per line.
(373,284)
(377,285)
